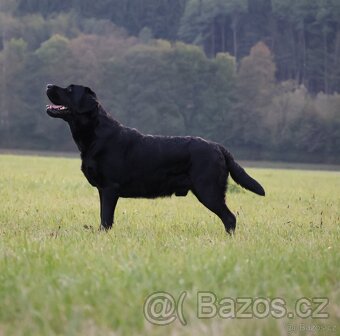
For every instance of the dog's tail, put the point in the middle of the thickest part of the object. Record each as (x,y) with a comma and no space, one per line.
(240,176)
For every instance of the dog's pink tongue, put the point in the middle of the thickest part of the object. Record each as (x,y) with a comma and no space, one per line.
(57,107)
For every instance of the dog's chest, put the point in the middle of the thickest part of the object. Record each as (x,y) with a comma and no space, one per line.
(90,170)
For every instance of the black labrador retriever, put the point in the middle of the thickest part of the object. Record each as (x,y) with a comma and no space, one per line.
(121,162)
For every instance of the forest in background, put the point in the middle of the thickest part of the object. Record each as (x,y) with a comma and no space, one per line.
(260,76)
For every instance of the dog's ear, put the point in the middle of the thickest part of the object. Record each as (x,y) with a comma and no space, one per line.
(88,102)
(89,91)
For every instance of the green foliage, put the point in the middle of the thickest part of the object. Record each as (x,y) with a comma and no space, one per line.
(254,91)
(171,89)
(303,34)
(164,87)
(53,50)
(200,15)
(161,16)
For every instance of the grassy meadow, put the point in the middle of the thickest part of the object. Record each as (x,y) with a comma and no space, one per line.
(60,276)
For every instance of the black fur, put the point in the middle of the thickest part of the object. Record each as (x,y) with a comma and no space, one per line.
(121,162)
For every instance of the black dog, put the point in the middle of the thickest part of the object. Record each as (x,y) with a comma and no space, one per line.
(121,162)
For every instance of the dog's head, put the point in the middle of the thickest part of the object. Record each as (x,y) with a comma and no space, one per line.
(74,101)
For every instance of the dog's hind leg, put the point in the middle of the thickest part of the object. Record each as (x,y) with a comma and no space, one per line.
(213,198)
(108,201)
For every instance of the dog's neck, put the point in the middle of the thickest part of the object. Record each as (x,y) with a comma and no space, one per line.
(84,131)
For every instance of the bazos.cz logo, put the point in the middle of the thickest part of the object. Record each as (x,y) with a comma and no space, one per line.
(162,308)
(209,306)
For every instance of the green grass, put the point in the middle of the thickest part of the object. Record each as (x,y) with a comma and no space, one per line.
(59,278)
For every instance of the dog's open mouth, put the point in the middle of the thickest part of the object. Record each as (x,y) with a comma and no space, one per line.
(56,110)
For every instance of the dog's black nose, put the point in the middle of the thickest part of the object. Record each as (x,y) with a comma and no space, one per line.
(49,86)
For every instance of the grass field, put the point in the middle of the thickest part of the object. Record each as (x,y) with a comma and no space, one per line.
(60,276)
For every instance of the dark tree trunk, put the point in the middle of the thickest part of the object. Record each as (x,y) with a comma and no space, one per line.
(223,37)
(234,29)
(212,33)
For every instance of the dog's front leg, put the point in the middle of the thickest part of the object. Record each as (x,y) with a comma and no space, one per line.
(108,201)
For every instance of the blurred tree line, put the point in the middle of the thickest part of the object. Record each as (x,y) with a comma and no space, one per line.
(258,75)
